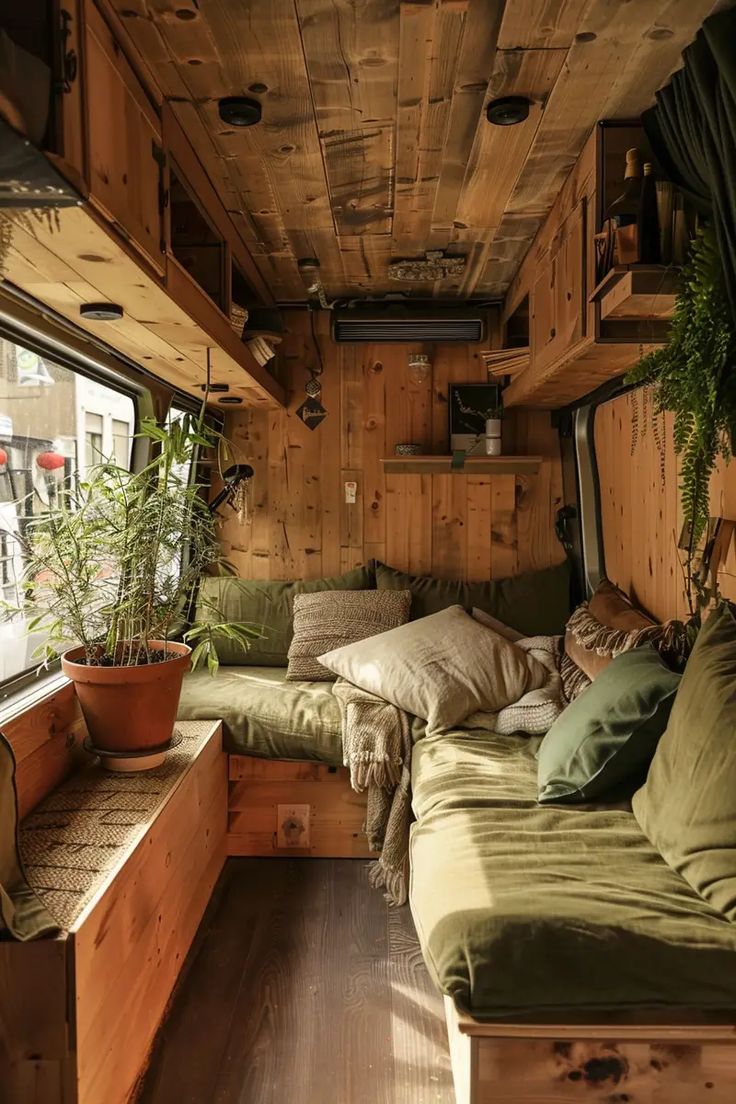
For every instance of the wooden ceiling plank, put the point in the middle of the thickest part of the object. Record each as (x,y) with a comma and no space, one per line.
(598,80)
(499,153)
(258,44)
(352,63)
(482,24)
(540,24)
(441,38)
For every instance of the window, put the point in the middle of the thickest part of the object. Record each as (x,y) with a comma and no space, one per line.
(54,423)
(93,439)
(121,443)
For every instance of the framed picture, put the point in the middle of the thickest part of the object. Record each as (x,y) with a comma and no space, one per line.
(470,406)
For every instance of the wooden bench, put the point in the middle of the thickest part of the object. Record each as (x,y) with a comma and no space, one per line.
(289,807)
(590,1064)
(126,865)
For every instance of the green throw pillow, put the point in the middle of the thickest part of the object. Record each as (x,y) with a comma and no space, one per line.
(535,603)
(266,603)
(687,807)
(610,732)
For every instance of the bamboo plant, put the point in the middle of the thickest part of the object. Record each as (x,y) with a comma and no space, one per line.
(113,564)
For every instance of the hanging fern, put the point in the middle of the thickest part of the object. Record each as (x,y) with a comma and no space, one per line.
(694,376)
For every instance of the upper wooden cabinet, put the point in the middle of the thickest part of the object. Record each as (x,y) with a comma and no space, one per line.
(575,345)
(125,151)
(558,308)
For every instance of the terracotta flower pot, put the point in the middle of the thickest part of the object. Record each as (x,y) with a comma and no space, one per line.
(129,709)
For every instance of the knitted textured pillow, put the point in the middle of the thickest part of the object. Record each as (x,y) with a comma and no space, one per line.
(334,618)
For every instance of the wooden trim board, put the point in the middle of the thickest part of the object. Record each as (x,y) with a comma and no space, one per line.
(78,1013)
(293,808)
(590,1064)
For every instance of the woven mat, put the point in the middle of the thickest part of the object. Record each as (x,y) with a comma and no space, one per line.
(82,829)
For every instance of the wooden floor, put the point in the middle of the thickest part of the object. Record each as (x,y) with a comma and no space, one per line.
(303,986)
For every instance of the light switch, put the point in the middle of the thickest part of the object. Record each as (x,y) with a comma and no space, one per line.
(351,491)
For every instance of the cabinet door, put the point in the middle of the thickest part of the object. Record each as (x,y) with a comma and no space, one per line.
(67,135)
(558,296)
(124,139)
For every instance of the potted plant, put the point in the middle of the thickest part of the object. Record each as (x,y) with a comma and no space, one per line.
(108,573)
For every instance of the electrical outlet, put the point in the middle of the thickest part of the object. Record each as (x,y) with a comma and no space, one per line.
(351,491)
(292,826)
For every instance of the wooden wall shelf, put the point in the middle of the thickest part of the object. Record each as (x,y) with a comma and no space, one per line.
(637,292)
(579,370)
(472,465)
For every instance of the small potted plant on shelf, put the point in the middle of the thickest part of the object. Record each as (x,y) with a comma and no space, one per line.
(107,577)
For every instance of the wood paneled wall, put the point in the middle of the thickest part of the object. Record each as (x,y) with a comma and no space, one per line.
(474,527)
(638,472)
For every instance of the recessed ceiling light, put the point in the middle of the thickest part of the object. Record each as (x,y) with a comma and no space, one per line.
(508,111)
(239,111)
(213,387)
(101,312)
(230,400)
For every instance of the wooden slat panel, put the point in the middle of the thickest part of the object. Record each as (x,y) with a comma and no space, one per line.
(351,54)
(474,524)
(46,740)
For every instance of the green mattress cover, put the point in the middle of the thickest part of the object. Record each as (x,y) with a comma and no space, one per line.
(532,912)
(264,714)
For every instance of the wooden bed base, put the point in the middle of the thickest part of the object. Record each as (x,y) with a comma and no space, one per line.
(572,1064)
(293,807)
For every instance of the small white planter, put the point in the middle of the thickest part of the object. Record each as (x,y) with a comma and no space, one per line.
(493,437)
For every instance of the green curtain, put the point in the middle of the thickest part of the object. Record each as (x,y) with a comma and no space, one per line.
(692,131)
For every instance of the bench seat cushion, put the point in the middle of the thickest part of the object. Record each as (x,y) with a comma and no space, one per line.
(555,912)
(266,715)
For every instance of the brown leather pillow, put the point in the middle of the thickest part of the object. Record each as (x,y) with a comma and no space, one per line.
(607,625)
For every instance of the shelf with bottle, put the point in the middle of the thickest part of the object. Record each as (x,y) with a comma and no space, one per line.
(646,224)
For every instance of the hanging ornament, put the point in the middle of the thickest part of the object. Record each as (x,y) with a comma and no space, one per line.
(313,387)
(311,413)
(50,461)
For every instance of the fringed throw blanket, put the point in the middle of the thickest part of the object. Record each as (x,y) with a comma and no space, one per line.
(376,739)
(377,744)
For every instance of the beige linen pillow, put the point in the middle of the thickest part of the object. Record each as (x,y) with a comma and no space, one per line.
(441,668)
(332,618)
(498,626)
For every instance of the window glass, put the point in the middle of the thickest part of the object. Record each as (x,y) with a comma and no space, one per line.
(54,424)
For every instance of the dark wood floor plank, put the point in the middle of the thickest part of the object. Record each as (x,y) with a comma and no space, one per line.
(422,1071)
(302,986)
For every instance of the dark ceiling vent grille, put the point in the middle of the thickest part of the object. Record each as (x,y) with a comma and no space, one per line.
(410,327)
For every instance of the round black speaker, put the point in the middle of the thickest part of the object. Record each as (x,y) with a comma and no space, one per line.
(239,111)
(508,111)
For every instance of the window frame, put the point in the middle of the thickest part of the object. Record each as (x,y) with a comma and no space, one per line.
(20,333)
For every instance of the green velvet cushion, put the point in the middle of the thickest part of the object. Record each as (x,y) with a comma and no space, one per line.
(270,605)
(610,732)
(537,602)
(688,805)
(266,715)
(535,912)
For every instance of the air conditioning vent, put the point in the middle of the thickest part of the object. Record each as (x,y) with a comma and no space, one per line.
(408,324)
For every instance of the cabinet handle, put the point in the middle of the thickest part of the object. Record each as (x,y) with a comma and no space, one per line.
(69,66)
